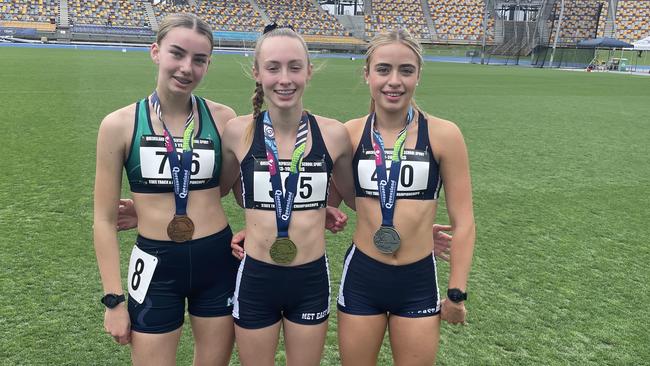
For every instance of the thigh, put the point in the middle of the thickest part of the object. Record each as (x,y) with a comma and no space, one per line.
(154,349)
(304,343)
(163,308)
(213,339)
(257,347)
(213,275)
(258,296)
(414,341)
(360,338)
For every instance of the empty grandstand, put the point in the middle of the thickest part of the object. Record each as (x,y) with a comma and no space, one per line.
(499,29)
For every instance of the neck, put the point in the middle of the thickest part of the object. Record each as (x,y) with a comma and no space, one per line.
(173,105)
(390,120)
(285,120)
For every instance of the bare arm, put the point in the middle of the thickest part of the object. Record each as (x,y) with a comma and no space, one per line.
(458,194)
(108,178)
(342,173)
(230,175)
(454,165)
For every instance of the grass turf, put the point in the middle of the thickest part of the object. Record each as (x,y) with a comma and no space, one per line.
(561,189)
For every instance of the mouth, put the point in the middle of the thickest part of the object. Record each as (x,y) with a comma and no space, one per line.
(392,94)
(182,80)
(285,92)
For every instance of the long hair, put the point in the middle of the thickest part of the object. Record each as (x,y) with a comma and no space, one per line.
(401,36)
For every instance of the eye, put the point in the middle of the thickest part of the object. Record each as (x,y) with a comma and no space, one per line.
(382,69)
(200,61)
(176,54)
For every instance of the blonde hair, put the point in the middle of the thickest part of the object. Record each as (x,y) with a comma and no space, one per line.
(401,36)
(258,95)
(184,20)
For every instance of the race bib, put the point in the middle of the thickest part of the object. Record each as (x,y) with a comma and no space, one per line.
(141,268)
(413,177)
(154,165)
(312,184)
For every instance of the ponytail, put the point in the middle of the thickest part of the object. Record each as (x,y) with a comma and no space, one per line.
(258,101)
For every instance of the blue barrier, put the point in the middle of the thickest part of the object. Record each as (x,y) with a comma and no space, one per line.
(236,36)
(18,32)
(105,29)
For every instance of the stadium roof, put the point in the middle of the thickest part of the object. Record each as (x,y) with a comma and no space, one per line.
(603,42)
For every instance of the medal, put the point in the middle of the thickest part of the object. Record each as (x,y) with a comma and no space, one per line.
(283,251)
(387,240)
(180,229)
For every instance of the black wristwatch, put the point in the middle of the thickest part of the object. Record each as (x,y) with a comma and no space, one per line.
(112,300)
(456,295)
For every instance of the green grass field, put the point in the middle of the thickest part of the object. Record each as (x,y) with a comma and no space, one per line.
(561,190)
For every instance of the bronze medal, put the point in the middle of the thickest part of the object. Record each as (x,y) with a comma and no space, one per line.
(283,251)
(387,240)
(180,229)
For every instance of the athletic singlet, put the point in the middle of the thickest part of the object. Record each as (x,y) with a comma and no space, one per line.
(313,181)
(147,166)
(419,178)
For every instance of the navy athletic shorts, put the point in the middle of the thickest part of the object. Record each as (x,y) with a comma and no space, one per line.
(203,271)
(267,292)
(369,287)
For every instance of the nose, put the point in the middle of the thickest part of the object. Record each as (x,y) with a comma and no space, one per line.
(186,65)
(284,76)
(394,79)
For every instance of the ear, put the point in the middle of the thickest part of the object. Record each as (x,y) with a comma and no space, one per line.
(365,73)
(154,52)
(310,71)
(256,74)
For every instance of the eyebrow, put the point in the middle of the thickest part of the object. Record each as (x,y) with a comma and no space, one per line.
(290,61)
(385,64)
(179,48)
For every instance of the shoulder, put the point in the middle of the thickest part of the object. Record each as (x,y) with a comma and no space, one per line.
(442,127)
(356,124)
(330,126)
(220,113)
(121,119)
(236,127)
(443,134)
(355,129)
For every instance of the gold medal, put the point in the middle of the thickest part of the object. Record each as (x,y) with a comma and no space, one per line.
(283,251)
(180,229)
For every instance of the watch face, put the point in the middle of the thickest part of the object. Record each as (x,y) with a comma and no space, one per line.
(111,300)
(456,295)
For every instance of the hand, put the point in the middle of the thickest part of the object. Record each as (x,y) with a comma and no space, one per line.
(453,313)
(118,324)
(237,244)
(126,217)
(441,241)
(335,219)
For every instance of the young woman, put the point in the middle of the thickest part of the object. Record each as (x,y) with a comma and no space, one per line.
(169,144)
(286,157)
(402,159)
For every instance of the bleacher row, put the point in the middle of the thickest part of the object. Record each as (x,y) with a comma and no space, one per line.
(451,20)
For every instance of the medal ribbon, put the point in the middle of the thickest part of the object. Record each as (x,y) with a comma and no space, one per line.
(180,168)
(387,186)
(284,200)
